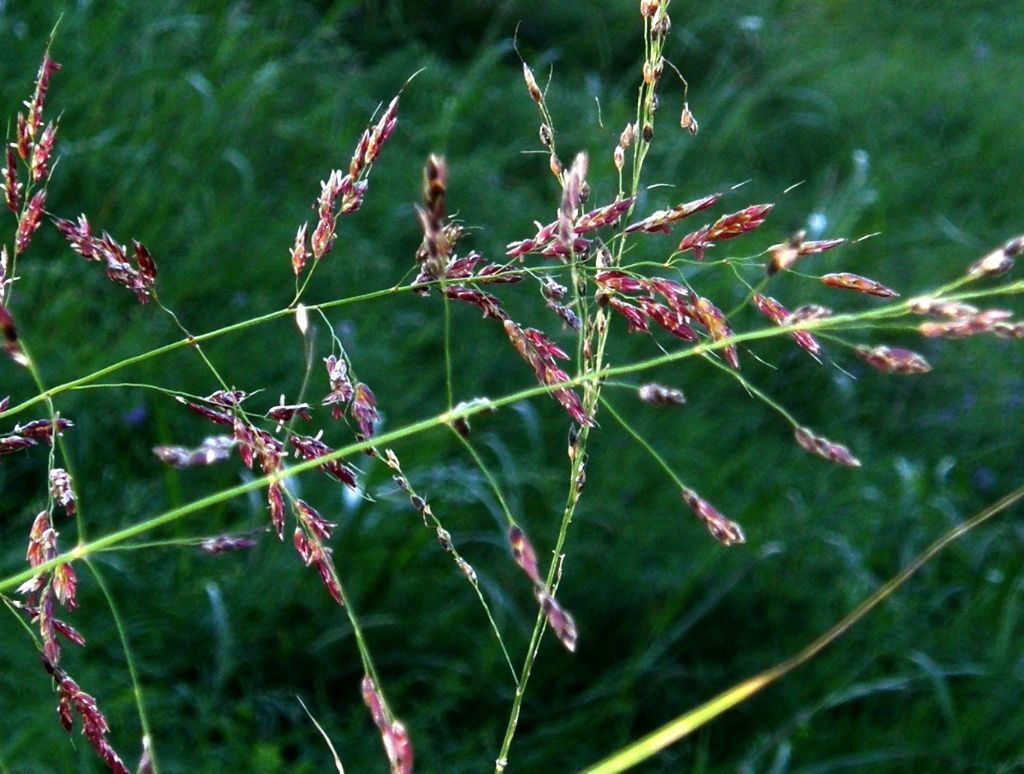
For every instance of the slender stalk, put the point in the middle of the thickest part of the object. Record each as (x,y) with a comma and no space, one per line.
(687,723)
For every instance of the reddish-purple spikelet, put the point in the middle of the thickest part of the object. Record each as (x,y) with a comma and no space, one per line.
(22,142)
(79,236)
(323,235)
(783,255)
(61,490)
(894,360)
(671,320)
(635,319)
(561,623)
(711,317)
(300,253)
(393,733)
(856,282)
(227,398)
(223,544)
(999,261)
(531,84)
(11,186)
(275,500)
(70,633)
(723,530)
(572,187)
(43,428)
(523,553)
(312,448)
(825,448)
(545,346)
(807,313)
(779,315)
(42,540)
(38,101)
(678,296)
(986,321)
(29,221)
(217,417)
(140,281)
(726,227)
(39,165)
(4,279)
(566,315)
(607,215)
(312,519)
(621,282)
(342,388)
(364,410)
(659,395)
(662,220)
(284,412)
(72,700)
(65,582)
(9,444)
(952,310)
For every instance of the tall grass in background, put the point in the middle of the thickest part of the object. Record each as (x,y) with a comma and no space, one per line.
(230,120)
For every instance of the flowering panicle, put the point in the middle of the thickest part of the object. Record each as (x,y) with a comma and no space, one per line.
(74,701)
(140,279)
(723,530)
(849,281)
(342,193)
(46,590)
(825,448)
(393,732)
(436,247)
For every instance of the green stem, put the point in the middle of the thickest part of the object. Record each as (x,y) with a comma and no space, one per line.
(133,672)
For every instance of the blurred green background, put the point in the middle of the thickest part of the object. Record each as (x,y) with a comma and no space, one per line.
(204,129)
